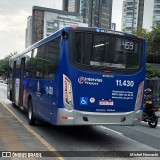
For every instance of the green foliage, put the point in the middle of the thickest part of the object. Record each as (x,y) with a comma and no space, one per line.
(153,42)
(142,33)
(4,64)
(152,72)
(153,48)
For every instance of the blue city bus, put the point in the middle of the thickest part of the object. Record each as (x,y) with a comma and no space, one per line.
(80,76)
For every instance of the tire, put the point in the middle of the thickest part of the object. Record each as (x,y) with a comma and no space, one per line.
(154,123)
(10,95)
(31,119)
(14,105)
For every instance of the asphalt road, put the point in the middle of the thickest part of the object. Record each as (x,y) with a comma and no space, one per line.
(92,138)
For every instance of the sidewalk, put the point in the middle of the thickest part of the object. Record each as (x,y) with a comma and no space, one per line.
(15,137)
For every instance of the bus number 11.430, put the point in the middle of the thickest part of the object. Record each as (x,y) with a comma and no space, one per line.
(124,83)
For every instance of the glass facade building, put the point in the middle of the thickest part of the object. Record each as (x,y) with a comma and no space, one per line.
(46,21)
(137,14)
(130,15)
(71,6)
(94,12)
(156,12)
(97,13)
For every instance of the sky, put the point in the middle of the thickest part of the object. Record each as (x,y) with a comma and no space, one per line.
(13,21)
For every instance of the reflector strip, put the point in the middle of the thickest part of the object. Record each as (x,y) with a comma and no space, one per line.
(66,118)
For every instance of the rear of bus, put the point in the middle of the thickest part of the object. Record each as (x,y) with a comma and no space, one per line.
(103,78)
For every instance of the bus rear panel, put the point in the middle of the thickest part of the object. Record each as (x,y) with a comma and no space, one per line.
(103,79)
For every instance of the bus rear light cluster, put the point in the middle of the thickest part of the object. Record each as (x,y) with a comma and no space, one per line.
(139,97)
(67,92)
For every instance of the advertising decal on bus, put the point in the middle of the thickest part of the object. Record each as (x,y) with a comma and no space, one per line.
(89,80)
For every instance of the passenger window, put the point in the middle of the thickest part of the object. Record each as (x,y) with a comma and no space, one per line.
(30,64)
(40,62)
(51,58)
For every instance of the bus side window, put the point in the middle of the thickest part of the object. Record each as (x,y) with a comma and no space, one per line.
(51,58)
(78,47)
(30,65)
(40,62)
(87,48)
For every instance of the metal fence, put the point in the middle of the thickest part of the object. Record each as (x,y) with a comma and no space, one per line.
(154,84)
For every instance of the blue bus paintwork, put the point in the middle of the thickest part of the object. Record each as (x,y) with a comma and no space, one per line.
(100,87)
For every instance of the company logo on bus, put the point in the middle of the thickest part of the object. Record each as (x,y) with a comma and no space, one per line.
(89,80)
(81,80)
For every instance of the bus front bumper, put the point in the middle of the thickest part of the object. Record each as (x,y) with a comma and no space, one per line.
(74,117)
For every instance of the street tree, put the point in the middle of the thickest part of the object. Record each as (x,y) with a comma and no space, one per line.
(153,48)
(4,63)
(154,44)
(151,71)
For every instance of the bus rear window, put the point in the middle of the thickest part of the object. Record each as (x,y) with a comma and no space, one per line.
(102,50)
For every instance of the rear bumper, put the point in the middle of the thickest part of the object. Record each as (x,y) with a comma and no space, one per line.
(74,117)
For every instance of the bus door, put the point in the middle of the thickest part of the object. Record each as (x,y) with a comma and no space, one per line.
(43,86)
(21,88)
(44,100)
(47,62)
(13,82)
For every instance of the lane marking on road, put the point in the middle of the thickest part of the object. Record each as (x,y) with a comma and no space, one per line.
(110,130)
(44,142)
(121,134)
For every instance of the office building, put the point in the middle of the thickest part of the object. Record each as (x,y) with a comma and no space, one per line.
(46,21)
(156,12)
(71,6)
(97,13)
(28,38)
(137,14)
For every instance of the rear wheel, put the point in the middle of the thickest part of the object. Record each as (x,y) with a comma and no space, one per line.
(154,122)
(10,95)
(31,119)
(14,105)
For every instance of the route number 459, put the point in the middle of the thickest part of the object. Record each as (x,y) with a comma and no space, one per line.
(128,45)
